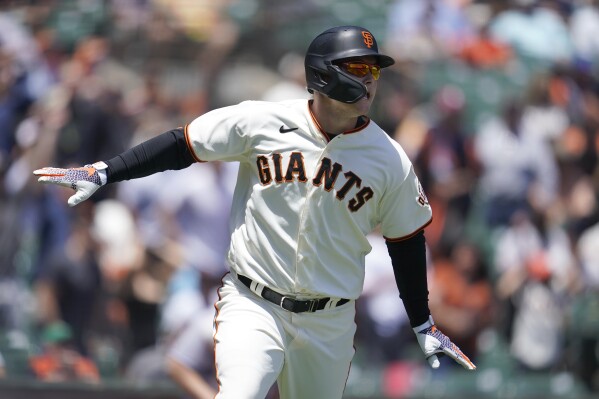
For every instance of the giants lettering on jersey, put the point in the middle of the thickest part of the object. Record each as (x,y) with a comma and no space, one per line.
(272,169)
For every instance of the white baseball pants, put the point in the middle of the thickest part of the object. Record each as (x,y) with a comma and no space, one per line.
(258,343)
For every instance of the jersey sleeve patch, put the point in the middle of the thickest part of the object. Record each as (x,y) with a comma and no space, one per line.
(405,210)
(421,198)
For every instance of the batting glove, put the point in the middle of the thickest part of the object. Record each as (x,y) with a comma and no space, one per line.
(85,181)
(433,341)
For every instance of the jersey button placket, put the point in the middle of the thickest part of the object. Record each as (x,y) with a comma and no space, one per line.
(310,191)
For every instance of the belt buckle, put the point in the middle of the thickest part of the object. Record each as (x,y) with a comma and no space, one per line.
(313,305)
(282,303)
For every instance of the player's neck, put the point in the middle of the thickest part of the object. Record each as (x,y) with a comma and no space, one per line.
(332,116)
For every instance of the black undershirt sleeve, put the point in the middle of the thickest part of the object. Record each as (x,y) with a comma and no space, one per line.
(408,258)
(167,151)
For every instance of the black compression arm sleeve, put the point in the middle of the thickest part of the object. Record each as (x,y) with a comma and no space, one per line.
(409,265)
(168,151)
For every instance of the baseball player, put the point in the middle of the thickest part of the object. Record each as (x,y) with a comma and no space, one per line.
(315,177)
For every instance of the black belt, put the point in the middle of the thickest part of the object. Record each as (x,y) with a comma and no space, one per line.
(290,304)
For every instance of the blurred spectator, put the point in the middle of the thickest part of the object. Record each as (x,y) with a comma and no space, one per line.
(576,148)
(14,102)
(567,89)
(142,291)
(448,168)
(68,288)
(423,30)
(34,221)
(585,328)
(2,367)
(58,362)
(584,30)
(462,296)
(17,40)
(413,128)
(537,273)
(185,326)
(97,124)
(534,28)
(519,171)
(34,51)
(542,117)
(190,359)
(484,51)
(134,278)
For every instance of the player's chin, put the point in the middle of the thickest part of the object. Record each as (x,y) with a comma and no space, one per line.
(363,105)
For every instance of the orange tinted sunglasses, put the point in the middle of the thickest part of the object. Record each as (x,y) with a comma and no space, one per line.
(360,69)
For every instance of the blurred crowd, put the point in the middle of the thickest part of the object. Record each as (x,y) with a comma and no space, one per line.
(114,287)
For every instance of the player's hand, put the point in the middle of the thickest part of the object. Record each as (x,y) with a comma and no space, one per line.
(433,342)
(85,180)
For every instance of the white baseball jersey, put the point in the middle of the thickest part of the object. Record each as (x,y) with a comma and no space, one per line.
(304,204)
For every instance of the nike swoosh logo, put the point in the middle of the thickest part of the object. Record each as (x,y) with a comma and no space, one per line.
(282,129)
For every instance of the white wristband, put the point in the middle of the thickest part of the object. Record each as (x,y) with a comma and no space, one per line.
(101,168)
(429,323)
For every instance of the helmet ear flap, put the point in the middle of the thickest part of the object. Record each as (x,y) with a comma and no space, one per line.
(318,77)
(322,78)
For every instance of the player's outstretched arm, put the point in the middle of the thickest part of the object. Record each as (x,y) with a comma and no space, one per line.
(168,151)
(433,342)
(84,180)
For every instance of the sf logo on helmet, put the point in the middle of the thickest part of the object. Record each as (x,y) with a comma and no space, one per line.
(368,39)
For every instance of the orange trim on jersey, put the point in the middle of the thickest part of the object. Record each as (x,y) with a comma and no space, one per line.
(193,153)
(358,128)
(326,135)
(398,239)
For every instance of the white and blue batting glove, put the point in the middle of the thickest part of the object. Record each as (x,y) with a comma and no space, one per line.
(85,180)
(433,341)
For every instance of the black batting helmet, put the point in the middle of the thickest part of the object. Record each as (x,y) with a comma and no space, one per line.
(337,44)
